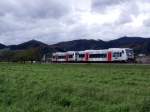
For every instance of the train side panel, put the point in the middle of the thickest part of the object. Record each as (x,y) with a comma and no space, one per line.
(71,56)
(98,56)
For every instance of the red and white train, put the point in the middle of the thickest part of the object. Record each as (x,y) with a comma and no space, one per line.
(106,55)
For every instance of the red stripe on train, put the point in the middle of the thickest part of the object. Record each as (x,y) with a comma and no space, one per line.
(109,56)
(86,56)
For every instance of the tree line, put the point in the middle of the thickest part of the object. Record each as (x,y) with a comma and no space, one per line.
(22,56)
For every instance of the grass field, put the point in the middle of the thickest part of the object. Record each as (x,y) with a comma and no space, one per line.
(74,88)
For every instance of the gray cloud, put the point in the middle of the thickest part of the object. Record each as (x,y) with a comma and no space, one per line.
(127,11)
(147,22)
(53,21)
(102,5)
(34,8)
(21,20)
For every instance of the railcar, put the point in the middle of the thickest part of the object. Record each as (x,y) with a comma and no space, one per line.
(120,54)
(71,56)
(106,55)
(59,57)
(92,56)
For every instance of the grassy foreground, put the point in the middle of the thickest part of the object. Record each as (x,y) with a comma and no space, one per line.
(74,88)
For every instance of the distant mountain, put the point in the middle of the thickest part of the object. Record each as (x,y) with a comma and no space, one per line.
(2,46)
(126,41)
(140,45)
(27,45)
(82,44)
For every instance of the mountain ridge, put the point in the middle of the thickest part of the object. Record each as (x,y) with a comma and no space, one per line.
(27,45)
(139,44)
(2,46)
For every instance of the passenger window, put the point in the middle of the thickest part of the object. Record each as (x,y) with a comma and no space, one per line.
(120,54)
(81,55)
(98,55)
(117,54)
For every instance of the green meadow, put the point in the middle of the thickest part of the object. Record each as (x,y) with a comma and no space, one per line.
(74,88)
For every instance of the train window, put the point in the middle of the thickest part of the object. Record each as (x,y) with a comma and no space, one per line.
(114,54)
(105,55)
(117,54)
(98,55)
(81,55)
(94,55)
(120,54)
(61,57)
(129,52)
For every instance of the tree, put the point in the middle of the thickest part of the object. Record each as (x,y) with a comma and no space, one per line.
(7,55)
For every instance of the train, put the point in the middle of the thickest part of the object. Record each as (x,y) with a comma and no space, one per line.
(87,56)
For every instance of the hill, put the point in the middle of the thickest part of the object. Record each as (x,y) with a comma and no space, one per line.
(28,45)
(2,46)
(139,44)
(82,44)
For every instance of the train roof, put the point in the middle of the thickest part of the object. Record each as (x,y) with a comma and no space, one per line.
(100,50)
(59,53)
(119,48)
(103,50)
(71,51)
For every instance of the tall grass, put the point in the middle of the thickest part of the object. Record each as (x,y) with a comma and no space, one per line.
(74,88)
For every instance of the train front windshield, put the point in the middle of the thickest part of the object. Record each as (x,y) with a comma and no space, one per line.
(129,52)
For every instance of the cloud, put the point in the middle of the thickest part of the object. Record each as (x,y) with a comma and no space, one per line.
(52,21)
(147,22)
(102,5)
(35,8)
(21,20)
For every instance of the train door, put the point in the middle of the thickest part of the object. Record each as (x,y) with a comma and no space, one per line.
(86,56)
(56,58)
(76,54)
(109,56)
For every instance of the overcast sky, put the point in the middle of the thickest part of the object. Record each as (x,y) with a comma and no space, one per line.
(53,21)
